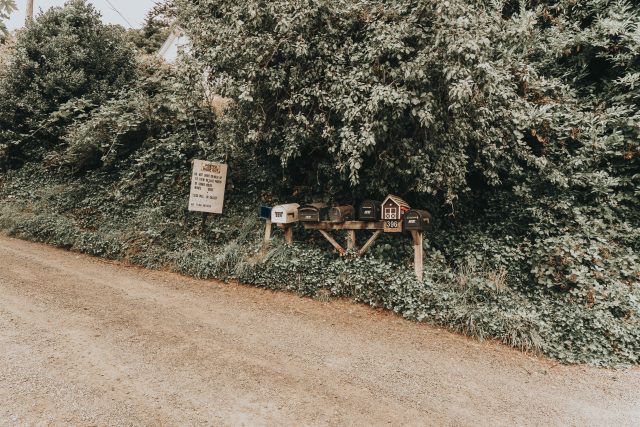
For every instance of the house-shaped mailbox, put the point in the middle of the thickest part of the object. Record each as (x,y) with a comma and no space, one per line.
(393,210)
(417,220)
(313,212)
(285,214)
(339,214)
(369,210)
(394,207)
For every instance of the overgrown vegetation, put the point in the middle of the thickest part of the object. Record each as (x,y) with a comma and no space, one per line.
(157,27)
(65,56)
(515,122)
(6,8)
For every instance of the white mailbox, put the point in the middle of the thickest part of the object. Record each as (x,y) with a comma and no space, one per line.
(285,214)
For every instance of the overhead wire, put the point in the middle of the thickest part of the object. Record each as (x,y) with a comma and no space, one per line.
(118,12)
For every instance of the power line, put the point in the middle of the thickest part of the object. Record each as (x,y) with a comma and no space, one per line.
(118,12)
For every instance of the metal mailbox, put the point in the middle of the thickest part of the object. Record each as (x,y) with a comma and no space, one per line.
(285,214)
(264,212)
(417,220)
(370,210)
(313,212)
(338,214)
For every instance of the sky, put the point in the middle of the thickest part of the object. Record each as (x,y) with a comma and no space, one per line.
(133,11)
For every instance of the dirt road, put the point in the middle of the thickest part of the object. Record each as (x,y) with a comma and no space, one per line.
(88,342)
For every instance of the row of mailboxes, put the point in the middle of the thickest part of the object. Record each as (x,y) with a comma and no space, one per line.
(394,212)
(369,210)
(316,212)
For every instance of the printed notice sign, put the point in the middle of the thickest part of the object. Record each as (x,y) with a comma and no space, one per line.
(208,181)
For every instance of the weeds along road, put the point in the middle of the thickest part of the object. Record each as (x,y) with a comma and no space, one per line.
(88,342)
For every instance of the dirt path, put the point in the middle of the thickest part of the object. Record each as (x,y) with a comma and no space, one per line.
(87,342)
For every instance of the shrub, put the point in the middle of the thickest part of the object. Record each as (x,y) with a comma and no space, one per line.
(66,54)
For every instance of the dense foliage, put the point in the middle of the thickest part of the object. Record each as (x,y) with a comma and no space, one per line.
(65,55)
(516,122)
(377,96)
(6,8)
(157,27)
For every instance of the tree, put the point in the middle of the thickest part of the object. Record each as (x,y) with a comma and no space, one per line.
(66,54)
(6,8)
(156,29)
(369,96)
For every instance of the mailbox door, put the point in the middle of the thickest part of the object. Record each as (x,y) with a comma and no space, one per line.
(309,215)
(278,216)
(368,211)
(390,211)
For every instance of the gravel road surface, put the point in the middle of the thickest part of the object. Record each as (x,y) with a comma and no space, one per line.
(89,342)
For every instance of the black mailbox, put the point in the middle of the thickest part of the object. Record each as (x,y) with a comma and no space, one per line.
(417,220)
(264,212)
(313,212)
(343,213)
(370,211)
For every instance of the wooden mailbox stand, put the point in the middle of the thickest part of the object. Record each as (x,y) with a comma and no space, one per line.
(339,218)
(267,230)
(287,228)
(418,254)
(378,227)
(350,227)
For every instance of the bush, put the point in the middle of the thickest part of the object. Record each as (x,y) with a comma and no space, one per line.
(66,55)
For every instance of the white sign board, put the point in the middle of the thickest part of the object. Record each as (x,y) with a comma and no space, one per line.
(208,181)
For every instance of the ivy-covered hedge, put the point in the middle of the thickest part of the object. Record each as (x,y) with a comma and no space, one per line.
(471,297)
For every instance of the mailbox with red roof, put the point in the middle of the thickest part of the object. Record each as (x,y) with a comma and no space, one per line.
(393,210)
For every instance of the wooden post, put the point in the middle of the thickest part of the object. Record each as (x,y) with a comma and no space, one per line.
(333,242)
(418,259)
(351,239)
(288,233)
(203,223)
(267,230)
(370,242)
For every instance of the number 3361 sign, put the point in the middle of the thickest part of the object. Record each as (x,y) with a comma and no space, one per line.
(208,181)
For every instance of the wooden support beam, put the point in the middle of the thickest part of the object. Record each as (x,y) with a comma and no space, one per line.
(418,255)
(288,233)
(331,240)
(267,230)
(351,239)
(370,242)
(347,225)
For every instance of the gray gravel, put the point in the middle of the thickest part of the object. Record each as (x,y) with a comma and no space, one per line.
(89,342)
